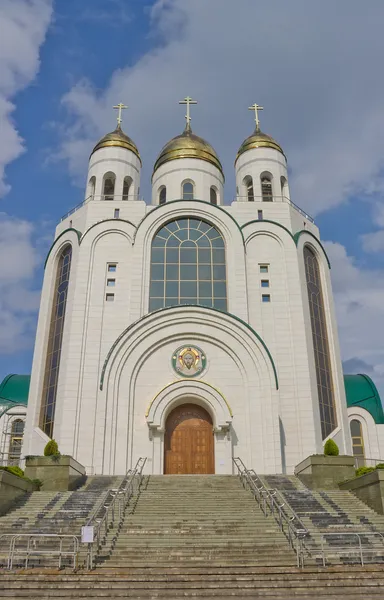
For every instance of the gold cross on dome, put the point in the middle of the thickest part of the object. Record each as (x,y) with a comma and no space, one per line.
(255,107)
(120,107)
(188,101)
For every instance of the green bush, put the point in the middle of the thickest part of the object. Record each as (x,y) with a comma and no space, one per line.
(380,466)
(15,470)
(37,482)
(363,470)
(331,448)
(51,449)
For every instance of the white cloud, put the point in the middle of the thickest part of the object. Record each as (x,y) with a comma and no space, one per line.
(373,242)
(23,26)
(19,301)
(315,68)
(359,297)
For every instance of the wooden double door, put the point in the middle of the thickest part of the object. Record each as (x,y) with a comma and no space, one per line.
(189,447)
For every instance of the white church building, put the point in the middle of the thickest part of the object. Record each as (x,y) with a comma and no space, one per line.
(188,330)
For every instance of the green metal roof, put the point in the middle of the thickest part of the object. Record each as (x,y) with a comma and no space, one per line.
(14,391)
(361,391)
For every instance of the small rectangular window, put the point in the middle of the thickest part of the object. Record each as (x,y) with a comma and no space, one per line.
(260,215)
(116,214)
(265,283)
(263,268)
(111,282)
(266,298)
(110,297)
(112,268)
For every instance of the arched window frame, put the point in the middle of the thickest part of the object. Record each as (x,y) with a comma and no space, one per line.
(55,339)
(213,195)
(284,187)
(162,194)
(109,185)
(357,439)
(91,187)
(15,442)
(188,195)
(249,191)
(188,265)
(127,183)
(266,186)
(320,338)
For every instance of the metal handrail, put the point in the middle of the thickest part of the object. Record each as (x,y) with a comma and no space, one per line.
(31,549)
(277,198)
(268,501)
(102,198)
(348,549)
(114,500)
(362,461)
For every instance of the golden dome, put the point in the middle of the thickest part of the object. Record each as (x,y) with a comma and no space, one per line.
(258,139)
(117,138)
(188,145)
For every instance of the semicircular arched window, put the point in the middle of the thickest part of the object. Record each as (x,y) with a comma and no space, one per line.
(320,343)
(55,339)
(188,266)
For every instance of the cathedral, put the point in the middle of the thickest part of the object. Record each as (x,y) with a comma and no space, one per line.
(186,329)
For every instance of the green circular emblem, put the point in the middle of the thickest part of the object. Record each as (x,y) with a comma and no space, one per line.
(189,361)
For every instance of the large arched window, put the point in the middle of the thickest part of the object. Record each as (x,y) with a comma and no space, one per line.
(188,266)
(109,186)
(320,343)
(248,182)
(357,441)
(126,186)
(163,195)
(266,187)
(52,364)
(15,442)
(187,190)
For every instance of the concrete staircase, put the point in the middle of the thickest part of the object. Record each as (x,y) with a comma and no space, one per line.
(194,519)
(52,512)
(201,537)
(334,513)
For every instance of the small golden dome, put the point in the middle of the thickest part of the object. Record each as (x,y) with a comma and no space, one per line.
(117,138)
(188,145)
(258,139)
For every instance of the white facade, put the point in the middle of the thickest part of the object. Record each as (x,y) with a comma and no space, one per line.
(116,382)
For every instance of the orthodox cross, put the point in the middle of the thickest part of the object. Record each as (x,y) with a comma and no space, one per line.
(120,107)
(255,107)
(188,101)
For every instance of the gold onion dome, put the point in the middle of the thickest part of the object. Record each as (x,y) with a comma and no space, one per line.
(258,139)
(188,145)
(118,139)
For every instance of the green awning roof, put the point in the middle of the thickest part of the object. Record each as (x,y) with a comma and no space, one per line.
(361,391)
(14,390)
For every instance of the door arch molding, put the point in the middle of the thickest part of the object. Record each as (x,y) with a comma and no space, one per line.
(200,393)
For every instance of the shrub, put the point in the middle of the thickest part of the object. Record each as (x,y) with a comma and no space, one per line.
(15,470)
(363,470)
(331,448)
(37,482)
(51,449)
(380,466)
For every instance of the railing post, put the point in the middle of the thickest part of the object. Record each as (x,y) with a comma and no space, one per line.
(60,551)
(361,550)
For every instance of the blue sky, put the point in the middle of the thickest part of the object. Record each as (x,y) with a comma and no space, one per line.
(316,68)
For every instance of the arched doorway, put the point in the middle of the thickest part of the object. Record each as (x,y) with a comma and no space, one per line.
(189,441)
